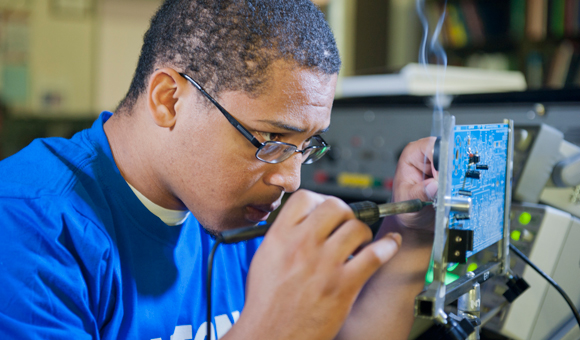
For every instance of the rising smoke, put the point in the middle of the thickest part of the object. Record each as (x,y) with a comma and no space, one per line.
(431,50)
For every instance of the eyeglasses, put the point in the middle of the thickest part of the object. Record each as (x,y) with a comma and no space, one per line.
(271,151)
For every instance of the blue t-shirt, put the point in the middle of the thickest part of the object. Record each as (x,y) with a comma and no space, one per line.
(82,258)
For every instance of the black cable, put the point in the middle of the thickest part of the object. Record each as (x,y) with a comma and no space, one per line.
(218,241)
(227,237)
(549,279)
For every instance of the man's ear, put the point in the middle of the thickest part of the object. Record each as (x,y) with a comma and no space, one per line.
(165,86)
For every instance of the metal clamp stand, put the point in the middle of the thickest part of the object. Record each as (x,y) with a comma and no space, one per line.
(468,306)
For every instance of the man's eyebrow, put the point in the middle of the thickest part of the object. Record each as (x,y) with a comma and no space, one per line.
(319,132)
(288,127)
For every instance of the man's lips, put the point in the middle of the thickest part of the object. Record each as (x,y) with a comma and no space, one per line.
(260,212)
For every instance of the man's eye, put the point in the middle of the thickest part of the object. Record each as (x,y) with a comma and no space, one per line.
(270,136)
(307,143)
(315,140)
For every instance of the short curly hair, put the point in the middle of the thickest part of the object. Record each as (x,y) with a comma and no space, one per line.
(229,44)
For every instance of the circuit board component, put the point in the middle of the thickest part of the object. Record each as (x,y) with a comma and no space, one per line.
(479,171)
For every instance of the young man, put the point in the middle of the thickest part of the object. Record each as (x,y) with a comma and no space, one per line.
(106,235)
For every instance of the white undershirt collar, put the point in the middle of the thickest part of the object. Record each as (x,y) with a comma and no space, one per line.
(168,216)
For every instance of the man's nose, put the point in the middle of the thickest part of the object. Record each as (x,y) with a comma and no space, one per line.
(286,174)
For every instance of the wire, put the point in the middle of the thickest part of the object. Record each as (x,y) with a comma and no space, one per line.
(218,241)
(549,279)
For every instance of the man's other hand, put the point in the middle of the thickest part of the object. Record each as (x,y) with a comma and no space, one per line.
(415,178)
(385,306)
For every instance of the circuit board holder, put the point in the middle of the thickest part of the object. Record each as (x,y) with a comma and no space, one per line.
(431,302)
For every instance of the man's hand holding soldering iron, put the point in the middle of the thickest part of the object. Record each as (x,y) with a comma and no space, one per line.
(317,274)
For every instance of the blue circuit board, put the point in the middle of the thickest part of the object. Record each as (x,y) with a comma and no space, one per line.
(479,171)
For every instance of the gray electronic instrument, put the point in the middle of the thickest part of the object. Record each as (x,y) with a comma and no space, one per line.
(547,168)
(550,238)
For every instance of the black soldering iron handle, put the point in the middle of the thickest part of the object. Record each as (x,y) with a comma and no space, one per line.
(366,211)
(370,212)
(243,234)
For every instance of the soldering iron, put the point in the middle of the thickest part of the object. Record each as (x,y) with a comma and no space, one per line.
(366,211)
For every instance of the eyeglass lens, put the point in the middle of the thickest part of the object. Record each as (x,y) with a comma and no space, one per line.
(275,153)
(315,154)
(278,152)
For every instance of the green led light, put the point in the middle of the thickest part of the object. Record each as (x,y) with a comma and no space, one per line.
(472,266)
(516,235)
(450,277)
(452,267)
(525,218)
(429,276)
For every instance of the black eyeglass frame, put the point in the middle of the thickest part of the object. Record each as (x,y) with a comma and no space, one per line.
(251,137)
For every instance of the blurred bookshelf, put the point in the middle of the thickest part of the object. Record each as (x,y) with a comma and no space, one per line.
(540,38)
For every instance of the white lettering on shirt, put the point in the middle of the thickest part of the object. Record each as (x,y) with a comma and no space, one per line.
(236,316)
(223,325)
(182,333)
(202,332)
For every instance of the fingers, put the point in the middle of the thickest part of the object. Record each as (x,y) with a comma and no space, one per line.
(299,206)
(371,258)
(415,176)
(424,190)
(327,217)
(431,187)
(320,215)
(347,239)
(418,155)
(315,248)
